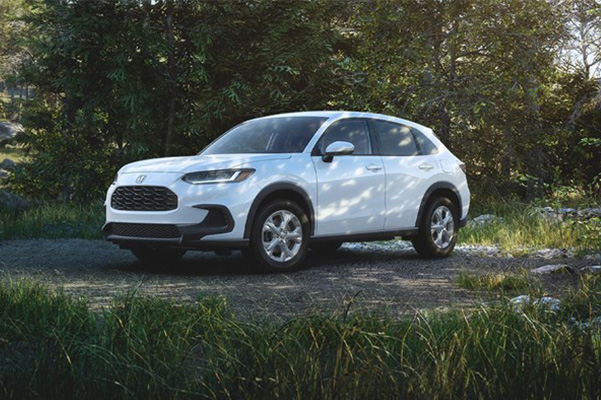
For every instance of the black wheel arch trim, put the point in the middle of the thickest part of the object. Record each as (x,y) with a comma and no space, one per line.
(270,189)
(428,195)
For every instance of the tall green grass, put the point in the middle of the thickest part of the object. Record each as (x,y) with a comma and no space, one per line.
(520,229)
(53,221)
(51,346)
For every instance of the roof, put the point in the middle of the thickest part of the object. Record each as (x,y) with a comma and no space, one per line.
(349,114)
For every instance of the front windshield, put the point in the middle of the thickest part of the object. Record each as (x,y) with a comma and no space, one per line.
(267,135)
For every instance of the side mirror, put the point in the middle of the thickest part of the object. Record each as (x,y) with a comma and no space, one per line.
(337,149)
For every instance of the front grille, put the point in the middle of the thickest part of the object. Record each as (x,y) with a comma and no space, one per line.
(156,231)
(143,198)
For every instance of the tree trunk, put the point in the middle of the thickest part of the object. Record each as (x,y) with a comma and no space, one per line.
(172,67)
(507,158)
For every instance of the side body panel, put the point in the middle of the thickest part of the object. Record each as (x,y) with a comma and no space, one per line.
(407,179)
(350,196)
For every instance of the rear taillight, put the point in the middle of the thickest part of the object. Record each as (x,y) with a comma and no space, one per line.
(463,167)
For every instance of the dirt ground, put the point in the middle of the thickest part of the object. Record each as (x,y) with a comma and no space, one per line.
(374,277)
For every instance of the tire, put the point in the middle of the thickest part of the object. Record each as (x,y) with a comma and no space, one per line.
(325,248)
(157,256)
(438,229)
(275,247)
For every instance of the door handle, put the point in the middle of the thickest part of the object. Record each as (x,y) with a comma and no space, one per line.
(373,167)
(425,166)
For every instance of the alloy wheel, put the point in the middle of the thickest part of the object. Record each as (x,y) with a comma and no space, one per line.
(282,235)
(442,227)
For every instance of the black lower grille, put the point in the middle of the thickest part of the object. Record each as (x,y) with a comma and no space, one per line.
(143,198)
(156,231)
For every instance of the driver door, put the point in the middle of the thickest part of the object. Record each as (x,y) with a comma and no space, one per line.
(350,188)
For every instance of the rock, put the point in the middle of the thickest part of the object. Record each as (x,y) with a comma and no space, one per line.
(8,165)
(566,211)
(591,269)
(553,268)
(520,302)
(523,301)
(552,217)
(555,253)
(484,219)
(548,214)
(551,303)
(3,174)
(11,201)
(587,213)
(595,322)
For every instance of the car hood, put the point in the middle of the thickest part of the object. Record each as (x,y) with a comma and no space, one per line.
(198,163)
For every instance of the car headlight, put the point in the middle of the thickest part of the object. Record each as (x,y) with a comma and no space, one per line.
(218,176)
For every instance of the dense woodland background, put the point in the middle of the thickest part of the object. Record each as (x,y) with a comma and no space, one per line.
(512,87)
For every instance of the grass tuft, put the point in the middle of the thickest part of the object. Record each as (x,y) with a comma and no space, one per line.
(504,282)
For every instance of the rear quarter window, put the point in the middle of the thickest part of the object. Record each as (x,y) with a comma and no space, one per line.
(425,145)
(394,139)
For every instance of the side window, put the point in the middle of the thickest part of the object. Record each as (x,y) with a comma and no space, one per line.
(425,145)
(394,139)
(354,131)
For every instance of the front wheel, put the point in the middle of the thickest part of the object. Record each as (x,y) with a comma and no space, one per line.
(280,236)
(437,229)
(157,256)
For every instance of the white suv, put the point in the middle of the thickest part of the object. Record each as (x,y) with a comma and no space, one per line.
(276,186)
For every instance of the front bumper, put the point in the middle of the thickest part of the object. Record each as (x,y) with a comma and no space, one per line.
(217,221)
(205,216)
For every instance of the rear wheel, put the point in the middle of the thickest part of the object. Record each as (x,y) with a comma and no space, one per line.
(437,229)
(279,237)
(157,256)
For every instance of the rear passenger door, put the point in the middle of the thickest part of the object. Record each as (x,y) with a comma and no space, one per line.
(350,188)
(409,171)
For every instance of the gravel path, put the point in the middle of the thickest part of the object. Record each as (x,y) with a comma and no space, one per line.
(388,277)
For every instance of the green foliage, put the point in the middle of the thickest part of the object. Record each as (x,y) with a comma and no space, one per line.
(476,72)
(145,347)
(584,303)
(118,81)
(121,80)
(590,232)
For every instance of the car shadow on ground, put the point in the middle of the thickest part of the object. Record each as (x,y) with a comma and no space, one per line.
(197,263)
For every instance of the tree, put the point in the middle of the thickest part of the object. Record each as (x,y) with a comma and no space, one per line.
(580,51)
(473,70)
(14,55)
(121,80)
